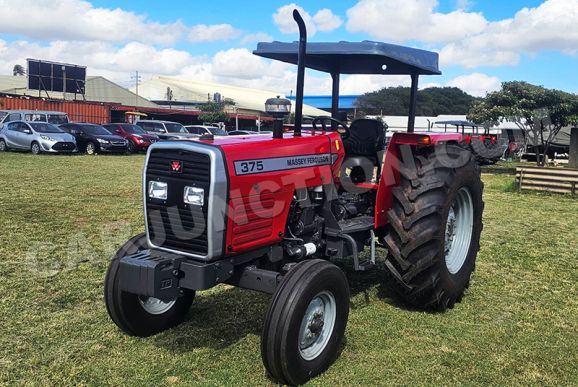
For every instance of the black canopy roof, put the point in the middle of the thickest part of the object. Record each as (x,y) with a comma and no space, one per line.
(355,57)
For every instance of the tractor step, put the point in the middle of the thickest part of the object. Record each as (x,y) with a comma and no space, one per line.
(360,223)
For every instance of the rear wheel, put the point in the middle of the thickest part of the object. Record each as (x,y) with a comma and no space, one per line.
(3,147)
(305,322)
(35,148)
(487,153)
(138,315)
(434,229)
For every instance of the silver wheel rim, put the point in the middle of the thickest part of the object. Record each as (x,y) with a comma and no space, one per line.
(90,149)
(35,148)
(153,305)
(459,230)
(317,325)
(2,146)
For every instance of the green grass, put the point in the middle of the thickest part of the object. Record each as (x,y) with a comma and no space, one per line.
(62,217)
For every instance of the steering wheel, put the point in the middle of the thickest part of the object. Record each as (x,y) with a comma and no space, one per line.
(344,132)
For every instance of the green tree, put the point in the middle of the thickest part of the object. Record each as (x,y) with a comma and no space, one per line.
(433,101)
(540,113)
(215,111)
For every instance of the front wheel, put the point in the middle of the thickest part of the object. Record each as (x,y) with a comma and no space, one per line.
(305,322)
(434,228)
(90,149)
(137,315)
(130,147)
(3,147)
(35,148)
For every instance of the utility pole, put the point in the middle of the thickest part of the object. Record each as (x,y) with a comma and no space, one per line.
(136,78)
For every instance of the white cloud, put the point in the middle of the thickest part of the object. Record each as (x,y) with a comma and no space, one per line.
(476,84)
(327,21)
(256,37)
(77,20)
(464,4)
(550,26)
(324,20)
(403,20)
(202,33)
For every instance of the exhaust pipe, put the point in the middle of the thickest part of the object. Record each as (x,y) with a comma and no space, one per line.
(300,73)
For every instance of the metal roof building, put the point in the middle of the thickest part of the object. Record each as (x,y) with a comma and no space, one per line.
(98,89)
(247,101)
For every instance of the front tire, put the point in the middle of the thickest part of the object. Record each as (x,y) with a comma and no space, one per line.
(91,149)
(130,147)
(3,146)
(35,148)
(305,322)
(434,228)
(136,315)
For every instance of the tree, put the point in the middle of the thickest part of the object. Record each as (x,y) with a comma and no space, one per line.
(215,111)
(535,110)
(432,101)
(18,70)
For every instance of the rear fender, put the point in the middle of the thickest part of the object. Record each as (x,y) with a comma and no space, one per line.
(400,154)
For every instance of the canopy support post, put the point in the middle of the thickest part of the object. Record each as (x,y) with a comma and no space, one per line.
(335,99)
(412,103)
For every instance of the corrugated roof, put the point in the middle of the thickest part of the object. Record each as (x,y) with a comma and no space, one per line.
(188,90)
(98,89)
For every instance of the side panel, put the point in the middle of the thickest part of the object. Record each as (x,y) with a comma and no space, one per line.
(263,178)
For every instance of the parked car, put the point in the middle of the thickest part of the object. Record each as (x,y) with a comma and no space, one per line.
(137,139)
(200,130)
(51,117)
(166,130)
(93,139)
(37,137)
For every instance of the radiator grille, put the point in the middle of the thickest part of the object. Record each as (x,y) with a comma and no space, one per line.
(173,224)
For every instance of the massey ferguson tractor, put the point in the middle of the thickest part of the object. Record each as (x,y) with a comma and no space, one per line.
(272,213)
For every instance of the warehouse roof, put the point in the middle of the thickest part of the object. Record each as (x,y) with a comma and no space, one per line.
(197,91)
(98,89)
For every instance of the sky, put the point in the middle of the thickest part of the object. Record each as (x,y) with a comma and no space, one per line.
(481,43)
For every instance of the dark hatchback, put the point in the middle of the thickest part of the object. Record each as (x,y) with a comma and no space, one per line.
(93,139)
(138,139)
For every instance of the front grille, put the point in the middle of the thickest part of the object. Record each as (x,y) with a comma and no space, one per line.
(64,146)
(172,224)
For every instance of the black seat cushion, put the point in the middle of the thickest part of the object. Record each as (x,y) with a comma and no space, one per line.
(366,138)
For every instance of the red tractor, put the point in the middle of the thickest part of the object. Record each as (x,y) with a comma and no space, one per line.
(271,213)
(485,146)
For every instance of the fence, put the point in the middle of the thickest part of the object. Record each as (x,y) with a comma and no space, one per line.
(559,180)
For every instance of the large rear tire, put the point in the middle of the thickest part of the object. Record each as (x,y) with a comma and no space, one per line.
(305,322)
(487,153)
(136,315)
(434,228)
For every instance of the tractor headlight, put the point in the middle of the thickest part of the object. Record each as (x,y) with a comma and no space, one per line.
(158,190)
(194,196)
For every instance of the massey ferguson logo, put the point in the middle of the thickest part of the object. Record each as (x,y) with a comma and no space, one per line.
(176,166)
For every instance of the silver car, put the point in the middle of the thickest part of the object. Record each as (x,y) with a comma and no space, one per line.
(38,137)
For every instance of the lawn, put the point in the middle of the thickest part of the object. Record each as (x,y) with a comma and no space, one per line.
(61,218)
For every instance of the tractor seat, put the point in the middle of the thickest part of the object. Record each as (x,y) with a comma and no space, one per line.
(366,138)
(363,149)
